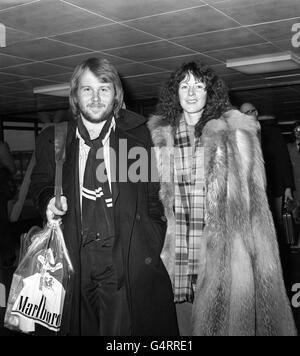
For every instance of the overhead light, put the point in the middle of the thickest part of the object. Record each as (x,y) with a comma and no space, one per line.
(265,63)
(55,89)
(286,122)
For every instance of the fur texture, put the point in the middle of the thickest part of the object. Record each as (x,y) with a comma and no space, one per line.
(240,289)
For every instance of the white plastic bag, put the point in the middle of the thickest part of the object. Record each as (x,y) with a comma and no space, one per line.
(40,282)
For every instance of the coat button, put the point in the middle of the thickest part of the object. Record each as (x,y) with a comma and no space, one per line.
(138,217)
(148,260)
(163,218)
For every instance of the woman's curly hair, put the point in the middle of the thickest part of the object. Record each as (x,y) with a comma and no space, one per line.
(217,101)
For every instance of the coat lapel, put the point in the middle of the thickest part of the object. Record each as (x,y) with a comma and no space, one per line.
(114,166)
(123,187)
(125,202)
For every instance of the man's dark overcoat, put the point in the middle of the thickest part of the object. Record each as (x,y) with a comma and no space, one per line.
(139,230)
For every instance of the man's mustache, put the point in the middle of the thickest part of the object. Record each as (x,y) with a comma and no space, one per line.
(98,106)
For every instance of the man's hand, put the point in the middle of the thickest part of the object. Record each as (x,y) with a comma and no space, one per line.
(288,194)
(52,210)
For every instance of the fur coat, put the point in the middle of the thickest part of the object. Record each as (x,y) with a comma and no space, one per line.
(240,288)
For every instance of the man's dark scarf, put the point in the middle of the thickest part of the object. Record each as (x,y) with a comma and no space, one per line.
(97,211)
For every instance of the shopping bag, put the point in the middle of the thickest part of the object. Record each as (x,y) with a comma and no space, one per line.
(289,228)
(39,284)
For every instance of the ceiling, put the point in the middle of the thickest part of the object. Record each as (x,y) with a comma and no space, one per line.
(145,40)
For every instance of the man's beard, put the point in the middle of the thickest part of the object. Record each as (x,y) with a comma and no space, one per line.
(101,117)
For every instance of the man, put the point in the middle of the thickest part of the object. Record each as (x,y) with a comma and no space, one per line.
(249,109)
(279,176)
(294,151)
(114,228)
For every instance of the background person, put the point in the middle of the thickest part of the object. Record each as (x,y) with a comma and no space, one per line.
(7,171)
(294,152)
(280,178)
(7,191)
(279,171)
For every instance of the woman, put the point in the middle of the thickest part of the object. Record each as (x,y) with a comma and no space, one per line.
(220,248)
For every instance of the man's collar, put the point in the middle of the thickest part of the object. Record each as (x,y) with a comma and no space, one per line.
(112,126)
(129,120)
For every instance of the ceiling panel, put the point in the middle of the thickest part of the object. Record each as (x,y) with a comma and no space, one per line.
(286,45)
(146,82)
(184,22)
(132,9)
(5,4)
(7,61)
(258,11)
(49,17)
(134,69)
(42,49)
(9,78)
(105,37)
(14,36)
(155,50)
(256,50)
(37,70)
(60,78)
(145,40)
(174,62)
(275,31)
(221,69)
(220,40)
(27,84)
(71,62)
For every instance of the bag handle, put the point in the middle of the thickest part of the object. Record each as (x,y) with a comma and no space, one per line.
(60,131)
